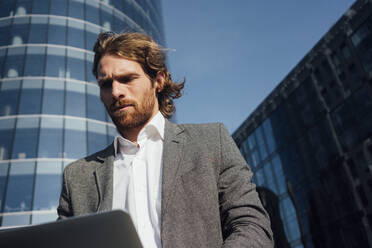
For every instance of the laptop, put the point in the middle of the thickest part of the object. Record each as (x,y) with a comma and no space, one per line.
(112,229)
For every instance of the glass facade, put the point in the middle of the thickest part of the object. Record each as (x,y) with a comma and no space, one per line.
(50,110)
(309,143)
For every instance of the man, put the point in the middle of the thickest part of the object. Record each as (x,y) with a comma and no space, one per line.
(183,185)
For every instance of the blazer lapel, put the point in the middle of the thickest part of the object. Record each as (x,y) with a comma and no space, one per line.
(104,178)
(172,155)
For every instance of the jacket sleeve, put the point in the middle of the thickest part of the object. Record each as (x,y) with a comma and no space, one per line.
(244,221)
(64,208)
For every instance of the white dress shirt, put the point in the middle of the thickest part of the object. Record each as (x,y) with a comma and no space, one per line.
(137,180)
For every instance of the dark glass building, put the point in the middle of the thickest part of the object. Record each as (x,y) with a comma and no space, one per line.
(310,141)
(50,111)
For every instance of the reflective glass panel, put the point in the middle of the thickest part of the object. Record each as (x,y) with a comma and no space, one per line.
(38,29)
(270,178)
(75,33)
(55,63)
(261,143)
(25,139)
(53,97)
(76,8)
(3,176)
(279,175)
(58,7)
(6,134)
(35,58)
(106,16)
(40,7)
(252,141)
(269,135)
(19,31)
(75,99)
(75,144)
(30,96)
(92,12)
(2,59)
(20,183)
(112,133)
(89,66)
(95,107)
(75,65)
(57,31)
(14,62)
(4,31)
(15,219)
(50,139)
(9,97)
(47,185)
(7,8)
(260,179)
(92,34)
(23,7)
(97,138)
(38,218)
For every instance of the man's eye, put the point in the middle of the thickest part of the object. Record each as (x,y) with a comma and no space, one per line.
(105,83)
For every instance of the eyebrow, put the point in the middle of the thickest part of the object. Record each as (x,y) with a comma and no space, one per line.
(120,77)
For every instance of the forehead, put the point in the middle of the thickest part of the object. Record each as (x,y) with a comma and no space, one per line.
(110,65)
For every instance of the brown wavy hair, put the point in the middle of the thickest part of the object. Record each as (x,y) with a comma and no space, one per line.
(145,51)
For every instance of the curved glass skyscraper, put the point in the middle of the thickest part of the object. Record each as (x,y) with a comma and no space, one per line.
(50,111)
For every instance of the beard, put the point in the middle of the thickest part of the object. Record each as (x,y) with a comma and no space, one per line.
(136,116)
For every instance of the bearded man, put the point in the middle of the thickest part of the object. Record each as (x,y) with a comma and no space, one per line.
(183,185)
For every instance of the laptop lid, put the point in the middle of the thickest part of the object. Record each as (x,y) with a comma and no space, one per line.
(112,229)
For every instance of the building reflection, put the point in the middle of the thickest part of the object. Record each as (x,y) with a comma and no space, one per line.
(310,141)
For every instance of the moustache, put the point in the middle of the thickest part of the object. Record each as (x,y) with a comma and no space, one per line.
(120,104)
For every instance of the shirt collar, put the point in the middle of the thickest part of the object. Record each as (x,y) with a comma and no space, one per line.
(153,128)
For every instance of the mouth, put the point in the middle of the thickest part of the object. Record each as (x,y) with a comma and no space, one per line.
(122,107)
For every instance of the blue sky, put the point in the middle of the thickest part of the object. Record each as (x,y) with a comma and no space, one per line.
(234,53)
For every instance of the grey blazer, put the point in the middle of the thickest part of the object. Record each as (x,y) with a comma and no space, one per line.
(208,199)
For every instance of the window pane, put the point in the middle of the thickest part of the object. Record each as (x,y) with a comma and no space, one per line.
(97,138)
(23,7)
(260,178)
(38,218)
(40,7)
(20,182)
(279,175)
(76,8)
(50,140)
(112,133)
(75,99)
(14,62)
(75,145)
(106,16)
(261,143)
(89,66)
(34,65)
(25,138)
(270,178)
(75,65)
(91,12)
(57,31)
(16,220)
(7,8)
(55,65)
(269,135)
(9,97)
(6,134)
(38,29)
(92,34)
(75,34)
(3,176)
(47,185)
(4,31)
(19,31)
(30,96)
(53,97)
(95,107)
(58,7)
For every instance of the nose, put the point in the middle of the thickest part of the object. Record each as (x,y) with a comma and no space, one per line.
(118,90)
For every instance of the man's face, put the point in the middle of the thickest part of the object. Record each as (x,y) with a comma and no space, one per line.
(127,92)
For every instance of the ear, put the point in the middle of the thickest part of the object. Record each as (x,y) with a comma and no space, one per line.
(159,81)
